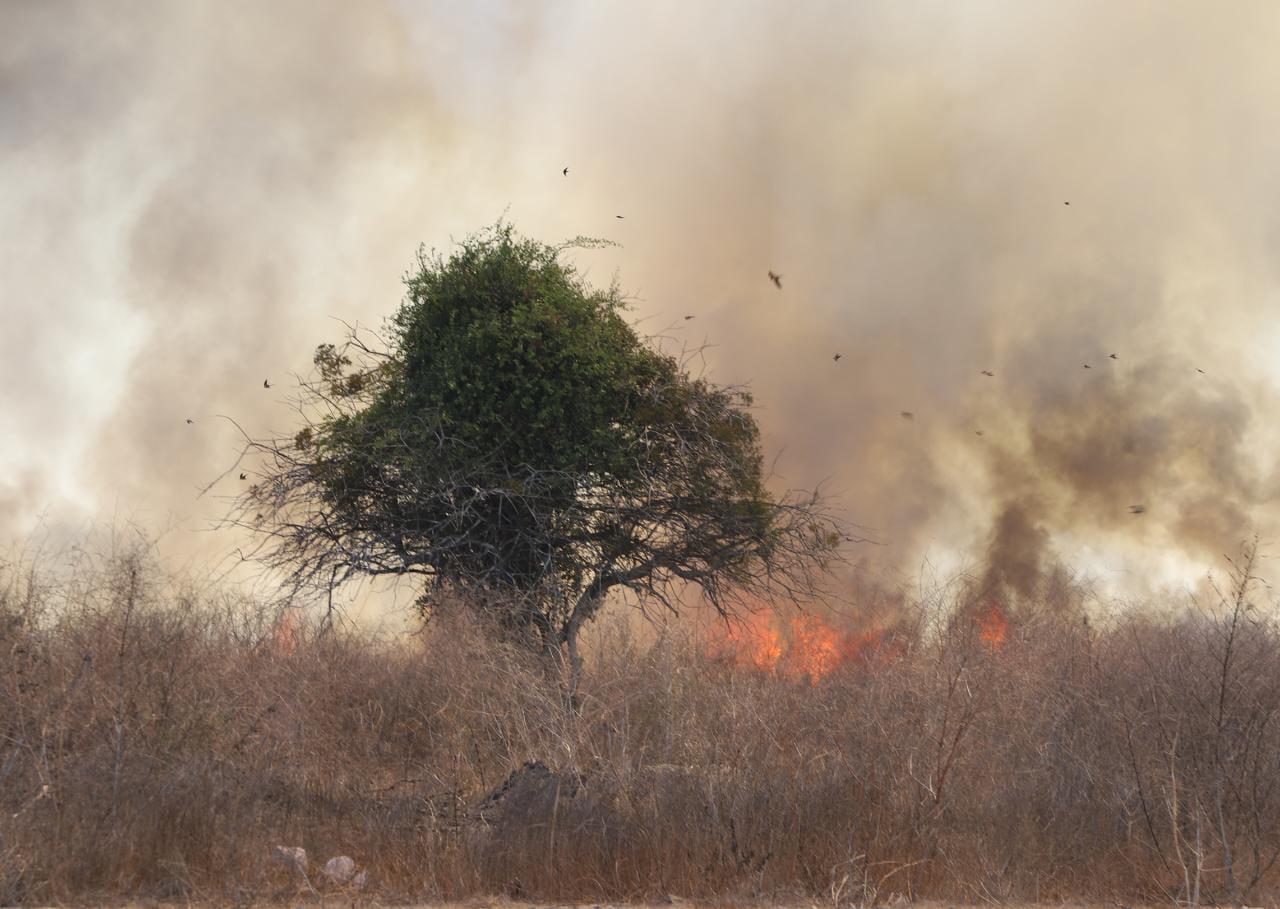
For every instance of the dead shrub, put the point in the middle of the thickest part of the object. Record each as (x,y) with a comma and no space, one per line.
(159,741)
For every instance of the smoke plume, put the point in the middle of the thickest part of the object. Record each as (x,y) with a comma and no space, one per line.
(195,192)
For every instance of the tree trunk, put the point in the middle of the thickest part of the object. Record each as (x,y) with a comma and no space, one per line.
(575,666)
(586,607)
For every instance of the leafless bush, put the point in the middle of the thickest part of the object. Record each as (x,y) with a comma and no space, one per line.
(157,741)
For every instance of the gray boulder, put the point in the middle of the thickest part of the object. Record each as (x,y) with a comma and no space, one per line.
(292,857)
(339,870)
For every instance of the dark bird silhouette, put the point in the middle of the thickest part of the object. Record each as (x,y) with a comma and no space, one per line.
(908,415)
(1087,366)
(1066,203)
(266,383)
(687,318)
(1137,509)
(244,476)
(977,432)
(1199,370)
(565,171)
(987,372)
(776,279)
(1113,356)
(619,217)
(837,357)
(190,421)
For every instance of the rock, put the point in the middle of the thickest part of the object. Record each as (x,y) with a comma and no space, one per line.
(340,869)
(531,805)
(294,857)
(529,797)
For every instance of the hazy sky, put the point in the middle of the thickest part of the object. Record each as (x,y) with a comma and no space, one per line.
(194,193)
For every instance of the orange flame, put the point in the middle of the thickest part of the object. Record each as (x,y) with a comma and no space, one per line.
(816,648)
(755,644)
(805,647)
(993,626)
(284,634)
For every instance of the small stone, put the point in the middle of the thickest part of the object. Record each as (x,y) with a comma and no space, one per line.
(294,857)
(340,869)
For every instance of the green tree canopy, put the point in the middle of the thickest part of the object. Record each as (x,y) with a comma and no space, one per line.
(513,438)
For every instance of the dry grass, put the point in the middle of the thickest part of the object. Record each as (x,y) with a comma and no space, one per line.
(157,743)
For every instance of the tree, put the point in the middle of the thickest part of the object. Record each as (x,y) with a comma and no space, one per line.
(511,438)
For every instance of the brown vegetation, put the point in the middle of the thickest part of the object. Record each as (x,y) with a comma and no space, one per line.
(160,742)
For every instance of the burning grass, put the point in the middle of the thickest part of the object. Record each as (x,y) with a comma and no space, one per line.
(158,742)
(800,646)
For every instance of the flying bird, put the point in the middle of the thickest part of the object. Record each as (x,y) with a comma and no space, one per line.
(266,383)
(977,432)
(987,372)
(190,421)
(244,476)
(836,358)
(1137,509)
(1113,356)
(1066,203)
(565,171)
(908,415)
(1087,366)
(1199,370)
(687,318)
(619,217)
(776,279)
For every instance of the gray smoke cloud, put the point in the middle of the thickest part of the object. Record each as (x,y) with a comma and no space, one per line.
(195,191)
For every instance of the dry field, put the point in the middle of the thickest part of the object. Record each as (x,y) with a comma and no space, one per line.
(158,741)
(679,903)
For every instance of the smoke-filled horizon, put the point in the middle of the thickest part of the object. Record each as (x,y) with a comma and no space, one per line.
(975,205)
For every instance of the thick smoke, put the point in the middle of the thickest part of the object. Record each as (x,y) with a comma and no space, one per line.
(195,191)
(199,190)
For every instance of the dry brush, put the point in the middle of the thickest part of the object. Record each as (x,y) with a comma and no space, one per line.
(158,741)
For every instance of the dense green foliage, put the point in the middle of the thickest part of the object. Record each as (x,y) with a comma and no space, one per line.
(518,435)
(521,362)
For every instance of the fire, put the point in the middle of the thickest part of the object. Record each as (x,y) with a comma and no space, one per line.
(757,644)
(285,633)
(816,648)
(803,647)
(993,626)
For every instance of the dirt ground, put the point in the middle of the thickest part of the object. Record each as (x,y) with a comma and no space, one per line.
(338,900)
